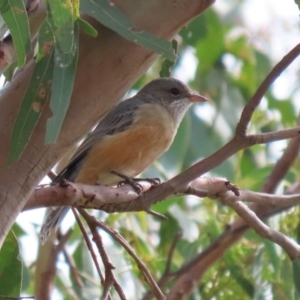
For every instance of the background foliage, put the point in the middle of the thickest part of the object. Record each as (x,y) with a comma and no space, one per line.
(223,57)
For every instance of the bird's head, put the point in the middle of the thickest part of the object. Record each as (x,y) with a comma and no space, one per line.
(171,93)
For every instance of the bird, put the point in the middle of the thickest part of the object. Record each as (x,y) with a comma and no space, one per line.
(129,138)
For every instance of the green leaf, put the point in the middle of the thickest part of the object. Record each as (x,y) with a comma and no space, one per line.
(87,28)
(237,273)
(111,17)
(36,94)
(211,46)
(61,12)
(286,109)
(190,231)
(270,249)
(11,267)
(168,64)
(296,274)
(62,87)
(196,30)
(15,17)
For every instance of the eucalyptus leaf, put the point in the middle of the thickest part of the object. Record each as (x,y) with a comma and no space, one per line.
(15,17)
(61,11)
(110,16)
(37,94)
(62,86)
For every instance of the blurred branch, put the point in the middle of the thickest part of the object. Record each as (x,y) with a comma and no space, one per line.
(282,165)
(110,279)
(45,282)
(256,98)
(69,259)
(89,245)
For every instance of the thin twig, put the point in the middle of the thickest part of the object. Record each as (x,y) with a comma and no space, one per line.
(110,279)
(69,259)
(157,215)
(89,244)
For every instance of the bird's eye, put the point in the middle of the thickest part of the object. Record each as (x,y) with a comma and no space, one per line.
(174,91)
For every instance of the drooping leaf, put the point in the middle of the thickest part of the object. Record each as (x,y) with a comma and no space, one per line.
(237,274)
(61,12)
(211,45)
(36,95)
(62,87)
(87,28)
(15,17)
(110,16)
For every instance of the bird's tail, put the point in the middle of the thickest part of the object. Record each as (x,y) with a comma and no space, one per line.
(52,222)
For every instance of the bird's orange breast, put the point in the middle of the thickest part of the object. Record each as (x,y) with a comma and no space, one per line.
(129,152)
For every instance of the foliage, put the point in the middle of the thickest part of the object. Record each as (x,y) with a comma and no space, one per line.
(228,68)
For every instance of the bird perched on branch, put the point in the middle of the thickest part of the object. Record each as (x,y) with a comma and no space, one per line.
(128,139)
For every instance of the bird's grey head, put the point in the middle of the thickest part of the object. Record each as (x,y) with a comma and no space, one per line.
(173,94)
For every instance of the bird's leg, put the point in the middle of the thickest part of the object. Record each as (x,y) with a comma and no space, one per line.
(129,180)
(154,181)
(134,181)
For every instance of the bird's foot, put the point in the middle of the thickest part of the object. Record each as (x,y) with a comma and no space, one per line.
(134,181)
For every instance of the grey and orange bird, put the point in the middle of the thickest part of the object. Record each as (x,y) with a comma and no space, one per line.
(128,139)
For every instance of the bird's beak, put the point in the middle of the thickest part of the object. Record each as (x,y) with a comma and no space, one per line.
(196,98)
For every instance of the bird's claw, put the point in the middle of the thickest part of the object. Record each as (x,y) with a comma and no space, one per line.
(134,181)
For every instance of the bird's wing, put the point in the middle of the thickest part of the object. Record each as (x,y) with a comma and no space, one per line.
(117,120)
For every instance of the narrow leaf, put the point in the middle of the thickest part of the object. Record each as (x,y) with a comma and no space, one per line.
(62,87)
(87,28)
(110,16)
(36,94)
(11,267)
(15,17)
(61,11)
